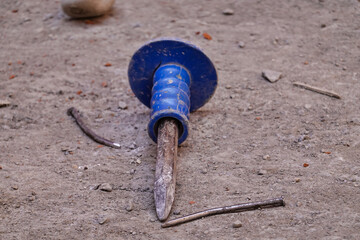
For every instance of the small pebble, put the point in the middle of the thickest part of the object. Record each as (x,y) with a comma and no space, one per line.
(138,161)
(323,25)
(129,207)
(31,198)
(4,103)
(241,44)
(237,224)
(122,105)
(86,8)
(14,187)
(297,180)
(271,76)
(176,212)
(228,86)
(228,11)
(132,171)
(152,220)
(105,187)
(266,157)
(48,16)
(102,220)
(262,172)
(308,106)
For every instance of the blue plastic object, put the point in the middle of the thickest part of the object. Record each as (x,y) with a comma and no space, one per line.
(173,78)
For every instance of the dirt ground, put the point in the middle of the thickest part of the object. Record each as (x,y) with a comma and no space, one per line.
(249,143)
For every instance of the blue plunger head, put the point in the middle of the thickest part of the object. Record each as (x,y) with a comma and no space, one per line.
(173,78)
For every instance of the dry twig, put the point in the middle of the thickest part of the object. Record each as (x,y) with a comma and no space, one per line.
(276,202)
(317,90)
(75,113)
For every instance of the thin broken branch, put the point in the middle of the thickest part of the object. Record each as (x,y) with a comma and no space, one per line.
(317,90)
(75,113)
(276,202)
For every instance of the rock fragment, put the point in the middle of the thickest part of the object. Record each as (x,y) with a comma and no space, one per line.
(4,103)
(237,224)
(241,44)
(122,105)
(262,172)
(228,11)
(102,220)
(271,76)
(130,206)
(86,8)
(105,187)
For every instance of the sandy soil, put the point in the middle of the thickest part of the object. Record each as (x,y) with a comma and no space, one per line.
(250,142)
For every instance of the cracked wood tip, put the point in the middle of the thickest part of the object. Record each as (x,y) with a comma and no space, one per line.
(165,173)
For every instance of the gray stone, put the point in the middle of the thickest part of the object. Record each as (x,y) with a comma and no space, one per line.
(130,206)
(102,220)
(228,11)
(237,224)
(4,103)
(271,76)
(241,44)
(122,105)
(262,172)
(266,157)
(105,187)
(86,8)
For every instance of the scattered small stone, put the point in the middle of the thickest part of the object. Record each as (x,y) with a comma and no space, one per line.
(48,16)
(31,198)
(176,212)
(271,76)
(344,68)
(228,11)
(132,146)
(307,106)
(323,25)
(94,187)
(241,44)
(138,161)
(14,187)
(86,8)
(122,105)
(262,172)
(152,220)
(4,103)
(132,171)
(266,157)
(228,86)
(204,171)
(237,224)
(130,206)
(102,220)
(105,187)
(297,180)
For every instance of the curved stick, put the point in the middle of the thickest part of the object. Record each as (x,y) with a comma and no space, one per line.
(276,202)
(75,114)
